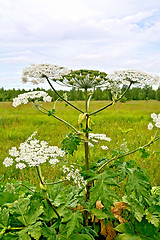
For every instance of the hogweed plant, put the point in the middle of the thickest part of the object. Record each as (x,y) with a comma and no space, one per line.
(106,199)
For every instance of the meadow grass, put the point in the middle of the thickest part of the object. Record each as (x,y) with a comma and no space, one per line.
(17,124)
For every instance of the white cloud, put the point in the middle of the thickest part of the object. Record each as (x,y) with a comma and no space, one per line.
(104,34)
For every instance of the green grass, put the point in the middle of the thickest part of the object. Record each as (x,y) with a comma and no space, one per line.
(17,124)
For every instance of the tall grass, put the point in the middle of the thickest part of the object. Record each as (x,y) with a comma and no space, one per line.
(17,124)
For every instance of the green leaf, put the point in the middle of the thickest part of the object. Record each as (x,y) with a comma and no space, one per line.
(19,208)
(80,237)
(144,153)
(49,232)
(129,236)
(7,197)
(126,227)
(102,189)
(33,215)
(4,218)
(99,214)
(33,230)
(10,236)
(138,183)
(74,223)
(135,206)
(70,143)
(52,112)
(153,215)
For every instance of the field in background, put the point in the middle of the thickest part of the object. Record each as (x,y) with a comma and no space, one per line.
(17,124)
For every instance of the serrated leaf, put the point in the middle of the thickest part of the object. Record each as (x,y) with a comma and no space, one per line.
(125,228)
(33,230)
(98,213)
(144,153)
(4,217)
(74,223)
(49,232)
(33,215)
(153,217)
(135,206)
(138,183)
(103,190)
(70,143)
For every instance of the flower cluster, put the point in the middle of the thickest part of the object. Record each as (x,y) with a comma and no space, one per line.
(37,72)
(156,120)
(136,77)
(26,97)
(84,79)
(95,137)
(74,175)
(33,153)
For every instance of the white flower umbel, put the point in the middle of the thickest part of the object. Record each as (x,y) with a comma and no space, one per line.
(26,97)
(36,73)
(156,121)
(74,175)
(136,77)
(32,153)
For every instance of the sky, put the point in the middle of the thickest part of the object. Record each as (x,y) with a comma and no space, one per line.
(105,35)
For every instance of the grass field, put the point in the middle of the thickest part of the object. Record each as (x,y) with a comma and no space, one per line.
(17,124)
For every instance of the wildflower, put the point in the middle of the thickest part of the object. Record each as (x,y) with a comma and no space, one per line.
(36,73)
(104,147)
(74,175)
(137,77)
(20,165)
(150,126)
(26,97)
(33,153)
(156,120)
(8,162)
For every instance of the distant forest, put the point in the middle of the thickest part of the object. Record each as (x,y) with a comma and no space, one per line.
(135,93)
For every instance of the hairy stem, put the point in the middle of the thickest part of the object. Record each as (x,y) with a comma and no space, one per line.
(62,97)
(110,104)
(131,152)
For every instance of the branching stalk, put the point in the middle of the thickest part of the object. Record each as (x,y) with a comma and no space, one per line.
(126,154)
(61,120)
(63,97)
(110,104)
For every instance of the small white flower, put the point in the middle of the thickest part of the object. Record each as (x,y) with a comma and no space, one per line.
(8,162)
(150,126)
(53,161)
(20,165)
(154,117)
(104,147)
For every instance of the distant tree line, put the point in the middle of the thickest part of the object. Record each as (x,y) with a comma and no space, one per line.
(135,93)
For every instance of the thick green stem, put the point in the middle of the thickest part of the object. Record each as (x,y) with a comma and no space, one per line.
(86,158)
